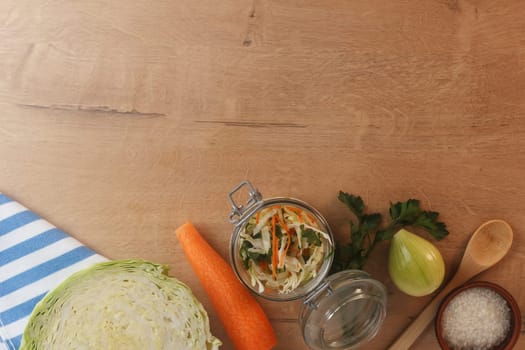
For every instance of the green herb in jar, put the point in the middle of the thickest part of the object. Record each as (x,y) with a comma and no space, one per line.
(282,247)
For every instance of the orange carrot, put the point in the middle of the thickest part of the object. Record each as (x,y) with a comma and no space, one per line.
(241,315)
(311,217)
(296,210)
(275,249)
(299,213)
(263,265)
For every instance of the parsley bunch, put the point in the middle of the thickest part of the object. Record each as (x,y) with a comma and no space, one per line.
(367,232)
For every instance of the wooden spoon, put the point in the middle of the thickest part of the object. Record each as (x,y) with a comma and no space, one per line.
(488,245)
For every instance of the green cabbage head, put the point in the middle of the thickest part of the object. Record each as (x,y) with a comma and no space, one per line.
(116,305)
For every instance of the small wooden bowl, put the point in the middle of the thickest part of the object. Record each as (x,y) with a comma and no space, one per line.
(515,323)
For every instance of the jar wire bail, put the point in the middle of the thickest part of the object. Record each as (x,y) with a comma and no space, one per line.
(239,212)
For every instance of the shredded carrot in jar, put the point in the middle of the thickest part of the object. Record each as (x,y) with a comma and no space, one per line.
(282,247)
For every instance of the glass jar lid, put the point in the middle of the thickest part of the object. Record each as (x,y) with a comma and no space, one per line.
(344,312)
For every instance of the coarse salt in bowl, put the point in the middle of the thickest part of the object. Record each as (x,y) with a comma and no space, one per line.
(479,315)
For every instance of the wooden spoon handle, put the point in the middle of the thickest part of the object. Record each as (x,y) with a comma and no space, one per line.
(407,338)
(417,327)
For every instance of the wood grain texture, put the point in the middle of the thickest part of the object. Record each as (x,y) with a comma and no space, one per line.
(121,120)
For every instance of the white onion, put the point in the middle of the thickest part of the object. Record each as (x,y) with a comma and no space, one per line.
(415,265)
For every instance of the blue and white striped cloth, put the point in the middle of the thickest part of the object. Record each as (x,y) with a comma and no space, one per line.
(35,257)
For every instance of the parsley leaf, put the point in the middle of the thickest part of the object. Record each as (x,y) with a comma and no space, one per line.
(354,203)
(385,235)
(428,221)
(311,236)
(354,254)
(367,232)
(410,214)
(405,212)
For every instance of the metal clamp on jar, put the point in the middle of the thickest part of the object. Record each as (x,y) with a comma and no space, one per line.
(282,249)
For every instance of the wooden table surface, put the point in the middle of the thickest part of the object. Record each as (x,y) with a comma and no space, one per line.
(122,120)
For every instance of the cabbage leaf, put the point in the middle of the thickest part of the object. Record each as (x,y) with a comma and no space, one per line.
(124,304)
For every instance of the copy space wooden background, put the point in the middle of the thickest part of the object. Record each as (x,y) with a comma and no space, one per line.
(120,120)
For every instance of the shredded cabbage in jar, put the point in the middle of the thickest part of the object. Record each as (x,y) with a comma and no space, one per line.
(282,248)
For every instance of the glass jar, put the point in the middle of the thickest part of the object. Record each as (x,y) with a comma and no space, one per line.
(341,311)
